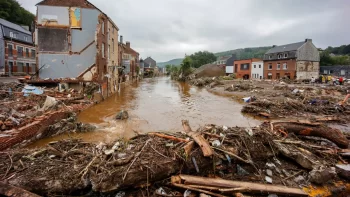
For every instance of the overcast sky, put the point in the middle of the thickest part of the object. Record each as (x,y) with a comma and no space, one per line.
(168,29)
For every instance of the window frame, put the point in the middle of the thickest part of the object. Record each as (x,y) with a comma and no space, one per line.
(270,65)
(278,66)
(8,50)
(254,65)
(285,55)
(279,56)
(33,55)
(23,64)
(103,50)
(27,54)
(285,66)
(21,52)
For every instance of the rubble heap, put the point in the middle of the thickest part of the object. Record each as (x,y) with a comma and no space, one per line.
(273,158)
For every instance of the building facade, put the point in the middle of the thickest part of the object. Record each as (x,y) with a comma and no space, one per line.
(243,68)
(151,63)
(337,70)
(229,67)
(74,39)
(17,51)
(257,70)
(295,61)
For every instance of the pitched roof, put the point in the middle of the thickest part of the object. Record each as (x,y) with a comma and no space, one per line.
(230,61)
(14,26)
(287,47)
(130,50)
(148,59)
(224,58)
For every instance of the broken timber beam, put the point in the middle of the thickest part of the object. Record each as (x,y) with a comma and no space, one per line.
(323,131)
(226,184)
(198,138)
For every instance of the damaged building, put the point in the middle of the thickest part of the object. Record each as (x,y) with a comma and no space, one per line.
(76,42)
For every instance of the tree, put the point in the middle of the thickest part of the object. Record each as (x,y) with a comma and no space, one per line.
(186,66)
(168,68)
(200,58)
(12,11)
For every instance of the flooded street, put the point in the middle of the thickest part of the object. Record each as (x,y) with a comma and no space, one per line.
(158,104)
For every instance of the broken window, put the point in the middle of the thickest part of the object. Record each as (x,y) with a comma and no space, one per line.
(19,51)
(10,50)
(269,75)
(75,17)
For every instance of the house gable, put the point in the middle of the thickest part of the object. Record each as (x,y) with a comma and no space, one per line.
(308,52)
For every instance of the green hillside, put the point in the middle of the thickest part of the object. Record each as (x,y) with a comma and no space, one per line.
(175,62)
(246,53)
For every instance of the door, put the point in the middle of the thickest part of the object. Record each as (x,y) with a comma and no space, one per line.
(27,68)
(10,64)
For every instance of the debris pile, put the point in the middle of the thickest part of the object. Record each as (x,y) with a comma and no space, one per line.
(279,158)
(206,82)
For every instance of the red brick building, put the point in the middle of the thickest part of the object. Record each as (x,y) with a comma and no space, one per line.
(243,68)
(17,52)
(299,61)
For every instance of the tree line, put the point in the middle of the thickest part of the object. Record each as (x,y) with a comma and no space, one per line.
(335,56)
(12,11)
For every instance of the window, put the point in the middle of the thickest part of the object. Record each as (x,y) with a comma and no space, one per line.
(259,65)
(342,72)
(254,66)
(103,27)
(27,68)
(25,38)
(10,50)
(279,56)
(270,57)
(331,72)
(19,67)
(109,51)
(33,54)
(325,72)
(278,66)
(278,76)
(245,66)
(19,51)
(11,34)
(285,55)
(33,68)
(27,52)
(113,44)
(285,66)
(269,75)
(103,50)
(270,66)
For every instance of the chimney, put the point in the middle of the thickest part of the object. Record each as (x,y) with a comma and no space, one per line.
(273,46)
(308,40)
(121,39)
(127,44)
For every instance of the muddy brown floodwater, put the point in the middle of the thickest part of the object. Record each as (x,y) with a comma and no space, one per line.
(158,104)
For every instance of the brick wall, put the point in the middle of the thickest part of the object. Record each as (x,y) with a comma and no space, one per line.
(39,125)
(279,73)
(14,58)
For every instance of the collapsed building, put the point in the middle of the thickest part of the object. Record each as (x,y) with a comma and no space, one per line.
(76,43)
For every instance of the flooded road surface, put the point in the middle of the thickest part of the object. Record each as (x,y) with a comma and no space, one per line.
(159,105)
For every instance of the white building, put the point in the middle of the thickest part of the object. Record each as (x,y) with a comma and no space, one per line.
(257,70)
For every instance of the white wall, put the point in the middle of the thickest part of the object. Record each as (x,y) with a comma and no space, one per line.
(258,71)
(229,69)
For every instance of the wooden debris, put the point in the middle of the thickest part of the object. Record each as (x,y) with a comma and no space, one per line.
(306,129)
(9,190)
(199,139)
(168,137)
(188,147)
(247,186)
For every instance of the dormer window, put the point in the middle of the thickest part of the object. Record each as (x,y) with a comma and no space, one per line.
(270,56)
(285,55)
(279,56)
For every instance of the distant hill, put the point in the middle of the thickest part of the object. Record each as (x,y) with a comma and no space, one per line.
(246,53)
(175,62)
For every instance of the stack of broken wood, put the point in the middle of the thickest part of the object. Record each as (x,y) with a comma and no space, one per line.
(274,158)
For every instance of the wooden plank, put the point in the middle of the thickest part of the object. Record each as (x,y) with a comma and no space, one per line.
(248,186)
(199,139)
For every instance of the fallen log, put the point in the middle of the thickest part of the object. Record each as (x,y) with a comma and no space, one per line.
(247,186)
(324,131)
(198,138)
(169,137)
(9,190)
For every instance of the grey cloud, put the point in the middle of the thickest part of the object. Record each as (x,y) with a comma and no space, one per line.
(172,28)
